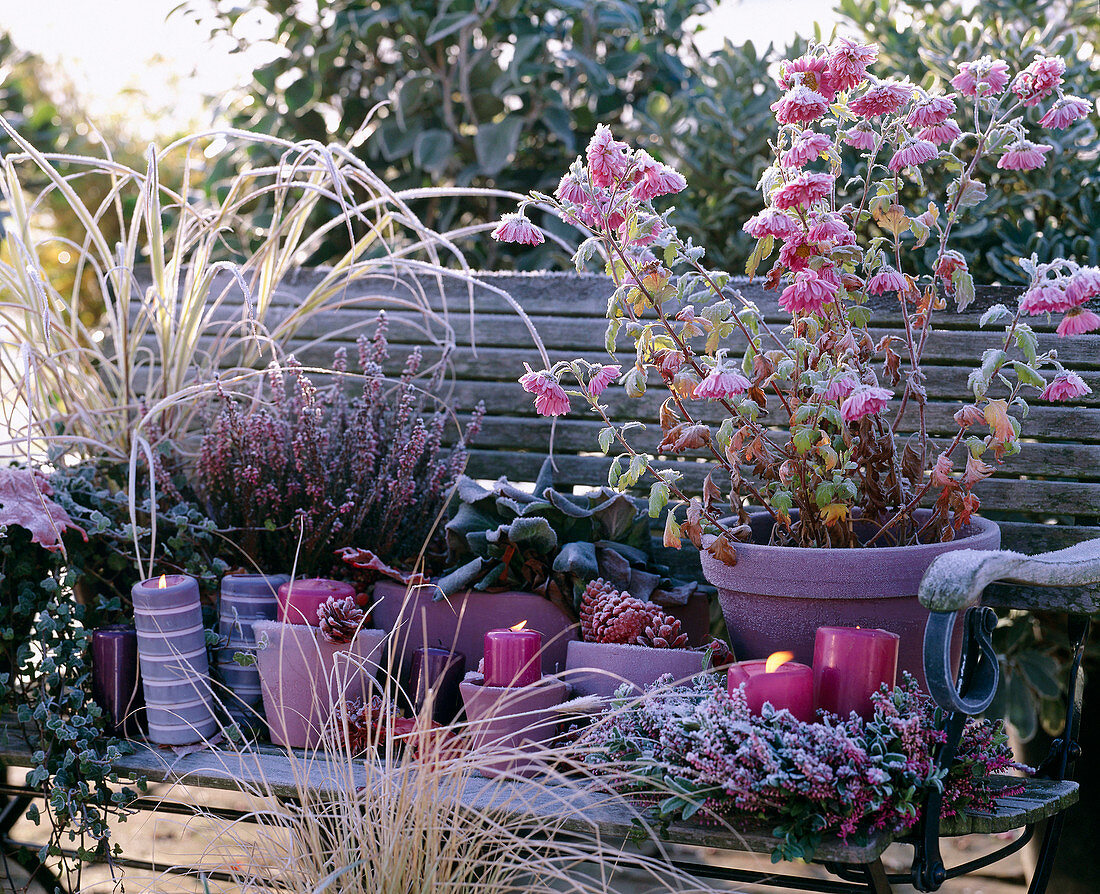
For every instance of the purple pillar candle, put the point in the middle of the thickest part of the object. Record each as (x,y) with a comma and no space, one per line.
(851,663)
(513,657)
(300,599)
(437,672)
(778,680)
(116,685)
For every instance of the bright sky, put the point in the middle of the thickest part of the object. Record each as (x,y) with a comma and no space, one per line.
(130,64)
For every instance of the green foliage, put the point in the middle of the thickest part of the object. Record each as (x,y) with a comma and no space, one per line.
(1053,212)
(479,93)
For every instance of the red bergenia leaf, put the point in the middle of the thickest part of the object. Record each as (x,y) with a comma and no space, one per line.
(365,560)
(25,502)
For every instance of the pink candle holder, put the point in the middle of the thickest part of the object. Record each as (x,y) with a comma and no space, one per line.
(300,599)
(850,664)
(513,656)
(778,680)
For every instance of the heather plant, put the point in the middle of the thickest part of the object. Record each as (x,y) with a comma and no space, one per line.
(700,751)
(310,470)
(804,422)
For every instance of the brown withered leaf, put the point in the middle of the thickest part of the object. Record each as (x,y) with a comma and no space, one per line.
(365,560)
(25,502)
(892,366)
(668,415)
(690,437)
(762,367)
(911,464)
(723,551)
(771,281)
(694,532)
(711,492)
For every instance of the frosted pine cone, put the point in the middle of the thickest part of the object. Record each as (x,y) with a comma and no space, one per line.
(595,594)
(663,633)
(610,616)
(339,619)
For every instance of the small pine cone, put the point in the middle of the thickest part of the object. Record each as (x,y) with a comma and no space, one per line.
(339,619)
(595,595)
(663,633)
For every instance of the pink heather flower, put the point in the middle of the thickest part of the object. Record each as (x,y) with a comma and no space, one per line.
(602,378)
(930,111)
(655,179)
(1039,79)
(1083,285)
(848,62)
(517,228)
(807,146)
(800,106)
(828,225)
(803,191)
(1066,386)
(722,382)
(887,280)
(913,153)
(1024,155)
(1064,112)
(1078,321)
(983,76)
(839,388)
(1045,298)
(807,294)
(945,132)
(861,136)
(608,159)
(882,99)
(865,402)
(569,190)
(771,222)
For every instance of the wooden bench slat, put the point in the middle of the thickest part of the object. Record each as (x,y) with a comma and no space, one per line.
(1041,798)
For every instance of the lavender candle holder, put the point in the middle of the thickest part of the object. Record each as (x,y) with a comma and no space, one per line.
(172,652)
(436,674)
(116,684)
(244,598)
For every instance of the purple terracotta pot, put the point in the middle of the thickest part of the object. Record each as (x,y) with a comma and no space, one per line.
(776,597)
(601,668)
(303,676)
(516,721)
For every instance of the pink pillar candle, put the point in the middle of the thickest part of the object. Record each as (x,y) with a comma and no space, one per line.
(513,657)
(851,663)
(788,685)
(300,599)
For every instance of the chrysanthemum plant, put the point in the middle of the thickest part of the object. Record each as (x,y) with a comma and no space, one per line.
(810,413)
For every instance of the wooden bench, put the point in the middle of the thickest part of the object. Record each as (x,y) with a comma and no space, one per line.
(1046,498)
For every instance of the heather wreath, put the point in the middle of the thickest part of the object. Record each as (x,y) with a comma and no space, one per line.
(701,752)
(804,421)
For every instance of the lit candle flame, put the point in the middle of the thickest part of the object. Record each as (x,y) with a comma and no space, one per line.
(776,660)
(519,626)
(162,583)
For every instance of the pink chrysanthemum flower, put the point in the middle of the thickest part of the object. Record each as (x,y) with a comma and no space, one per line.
(887,280)
(796,252)
(800,105)
(983,76)
(1045,298)
(771,222)
(570,190)
(828,225)
(1024,155)
(931,110)
(550,397)
(1064,112)
(807,294)
(1083,285)
(602,378)
(1066,386)
(596,213)
(517,228)
(655,179)
(721,382)
(809,71)
(861,136)
(608,158)
(945,132)
(865,401)
(1039,79)
(883,98)
(913,153)
(803,191)
(807,147)
(839,388)
(848,62)
(1078,321)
